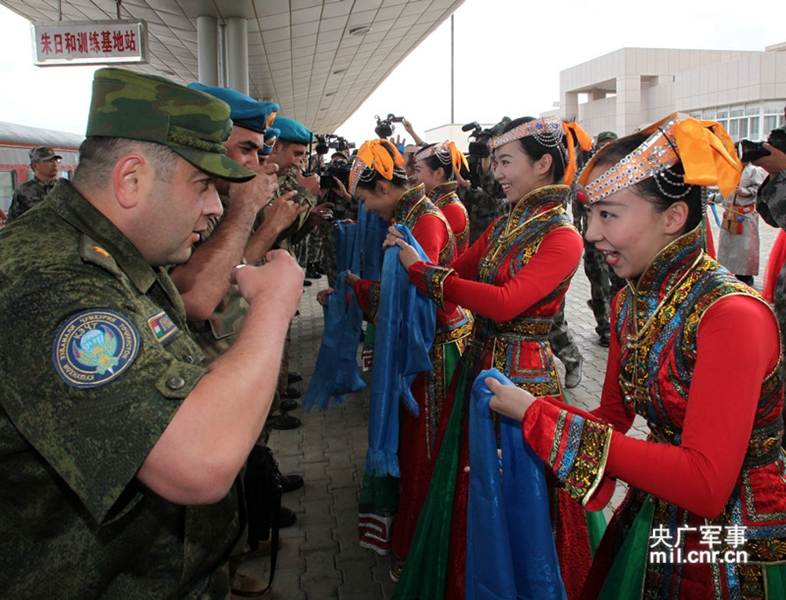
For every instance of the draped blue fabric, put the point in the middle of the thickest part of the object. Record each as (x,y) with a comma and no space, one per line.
(510,547)
(367,258)
(336,371)
(406,322)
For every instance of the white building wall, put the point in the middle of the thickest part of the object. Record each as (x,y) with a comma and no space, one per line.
(643,85)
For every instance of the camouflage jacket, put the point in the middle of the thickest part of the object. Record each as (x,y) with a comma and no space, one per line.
(298,230)
(216,335)
(484,204)
(27,195)
(772,200)
(96,359)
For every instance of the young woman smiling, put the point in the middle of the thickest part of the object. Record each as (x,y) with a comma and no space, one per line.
(513,279)
(696,353)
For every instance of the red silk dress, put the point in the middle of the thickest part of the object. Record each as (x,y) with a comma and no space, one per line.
(513,279)
(697,354)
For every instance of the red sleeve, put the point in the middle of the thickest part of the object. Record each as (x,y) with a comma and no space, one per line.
(432,235)
(466,266)
(367,294)
(556,259)
(700,474)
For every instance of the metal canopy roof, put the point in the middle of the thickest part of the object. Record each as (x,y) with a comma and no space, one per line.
(301,53)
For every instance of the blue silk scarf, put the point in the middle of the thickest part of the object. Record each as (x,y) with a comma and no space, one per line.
(336,371)
(406,322)
(510,547)
(358,250)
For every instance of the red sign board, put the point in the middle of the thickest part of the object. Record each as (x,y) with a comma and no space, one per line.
(90,42)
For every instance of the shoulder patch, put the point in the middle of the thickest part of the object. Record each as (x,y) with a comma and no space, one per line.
(94,347)
(162,326)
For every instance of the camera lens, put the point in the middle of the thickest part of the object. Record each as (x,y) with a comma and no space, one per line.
(749,151)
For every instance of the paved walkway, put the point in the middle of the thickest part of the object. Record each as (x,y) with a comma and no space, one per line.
(320,557)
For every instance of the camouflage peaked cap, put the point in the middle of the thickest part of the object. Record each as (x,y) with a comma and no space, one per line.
(149,108)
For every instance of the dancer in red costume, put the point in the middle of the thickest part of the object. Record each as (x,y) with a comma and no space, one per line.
(513,279)
(437,167)
(379,182)
(696,353)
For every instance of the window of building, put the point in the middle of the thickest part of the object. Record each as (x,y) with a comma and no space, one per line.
(7,185)
(752,121)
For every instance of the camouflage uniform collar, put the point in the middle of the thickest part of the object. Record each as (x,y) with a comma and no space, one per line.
(49,185)
(76,210)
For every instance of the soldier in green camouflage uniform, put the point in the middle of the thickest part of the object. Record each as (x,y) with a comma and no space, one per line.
(484,204)
(43,162)
(108,421)
(604,284)
(771,205)
(288,153)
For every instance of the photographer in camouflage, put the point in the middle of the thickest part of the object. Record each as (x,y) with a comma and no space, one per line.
(771,206)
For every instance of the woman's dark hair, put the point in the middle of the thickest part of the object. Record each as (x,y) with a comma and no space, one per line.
(434,163)
(369,177)
(535,150)
(661,190)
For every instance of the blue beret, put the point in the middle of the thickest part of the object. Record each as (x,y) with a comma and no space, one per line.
(244,111)
(292,131)
(271,135)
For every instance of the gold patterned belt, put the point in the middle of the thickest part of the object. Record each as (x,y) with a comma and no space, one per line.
(452,335)
(764,446)
(530,329)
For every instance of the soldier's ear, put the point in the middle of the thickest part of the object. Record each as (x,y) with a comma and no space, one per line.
(129,178)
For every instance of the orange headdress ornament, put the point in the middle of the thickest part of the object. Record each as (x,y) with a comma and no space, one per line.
(375,156)
(549,132)
(705,149)
(447,153)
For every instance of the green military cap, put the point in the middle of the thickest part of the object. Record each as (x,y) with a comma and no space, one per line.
(149,108)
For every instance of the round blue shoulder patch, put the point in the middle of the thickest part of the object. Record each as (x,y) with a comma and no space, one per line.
(94,347)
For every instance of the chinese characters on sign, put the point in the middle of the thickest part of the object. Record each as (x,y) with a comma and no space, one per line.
(90,42)
(713,546)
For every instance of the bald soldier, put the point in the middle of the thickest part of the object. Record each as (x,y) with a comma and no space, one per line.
(119,452)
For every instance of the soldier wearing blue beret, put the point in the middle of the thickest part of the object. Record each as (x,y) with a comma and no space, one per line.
(215,308)
(119,450)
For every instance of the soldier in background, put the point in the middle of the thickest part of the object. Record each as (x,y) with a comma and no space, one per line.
(289,151)
(44,162)
(604,284)
(484,203)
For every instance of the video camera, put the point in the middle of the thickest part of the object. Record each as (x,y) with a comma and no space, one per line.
(328,141)
(339,169)
(479,147)
(384,128)
(749,151)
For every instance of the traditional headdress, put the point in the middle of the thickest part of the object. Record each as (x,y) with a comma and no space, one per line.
(447,153)
(705,149)
(374,157)
(549,132)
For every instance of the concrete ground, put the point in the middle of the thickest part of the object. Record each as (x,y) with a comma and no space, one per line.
(320,557)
